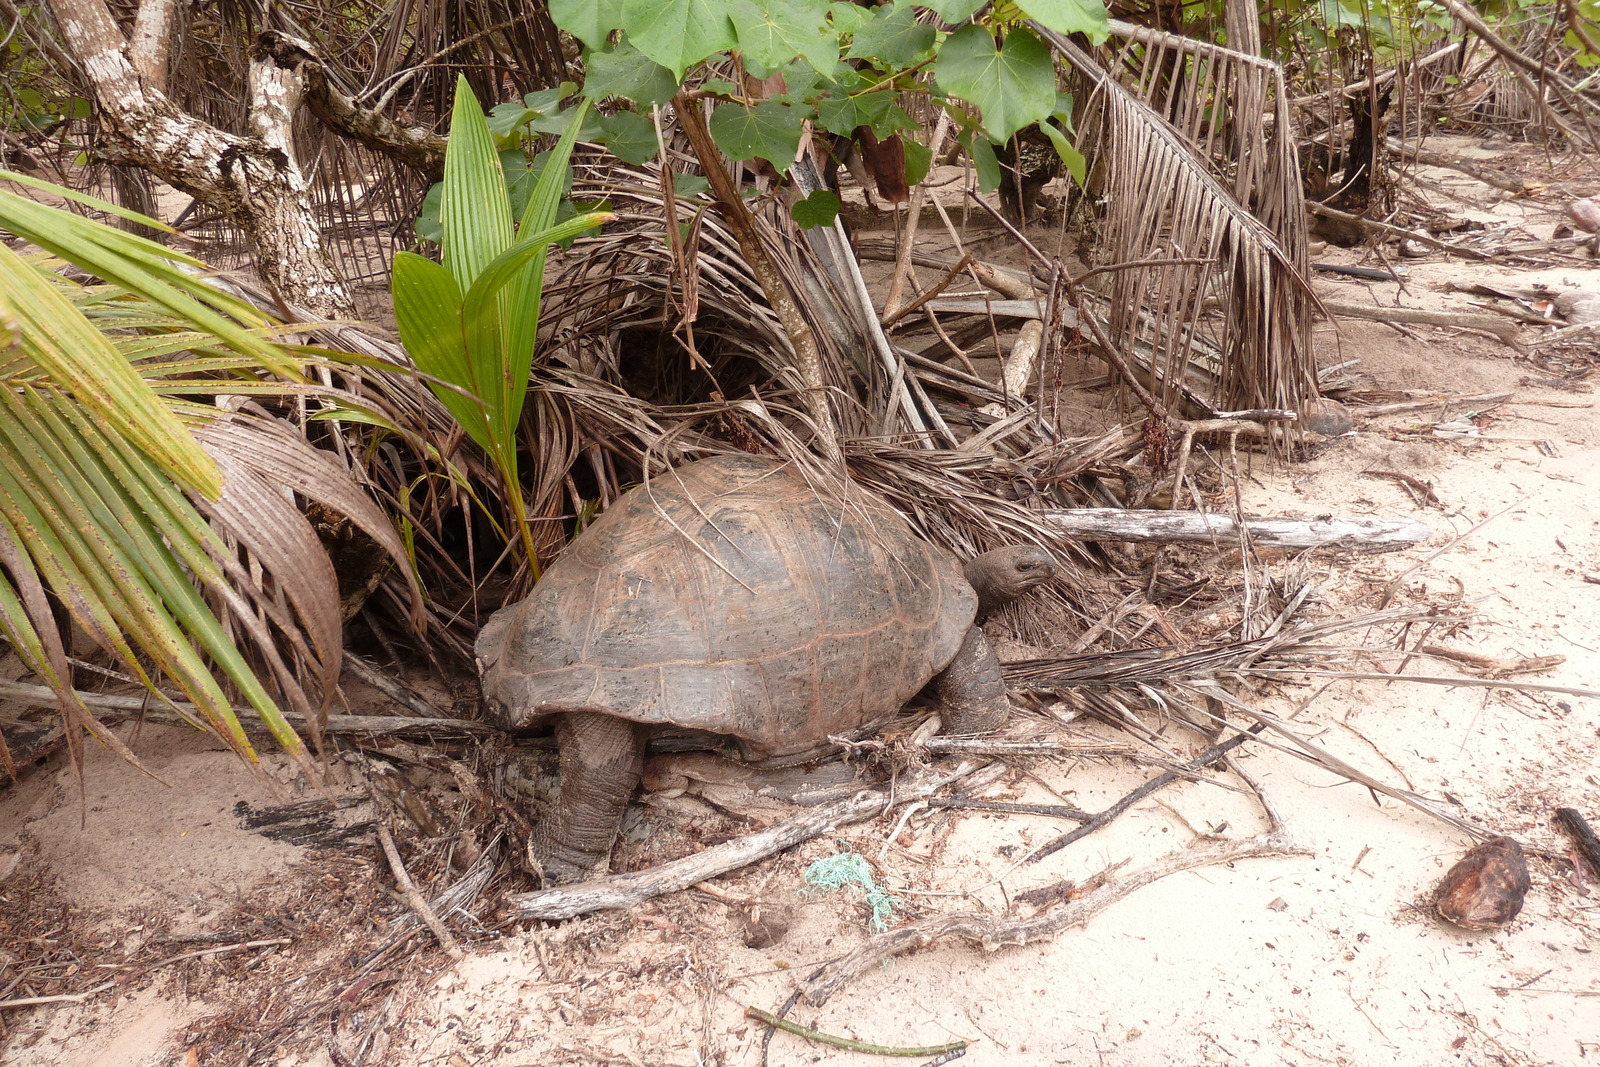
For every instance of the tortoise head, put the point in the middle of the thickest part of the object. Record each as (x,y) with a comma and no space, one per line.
(1000,576)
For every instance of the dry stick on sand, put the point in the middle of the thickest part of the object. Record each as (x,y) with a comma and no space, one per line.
(845,1043)
(1398,231)
(626,890)
(1394,583)
(1488,175)
(408,889)
(994,933)
(1582,833)
(1205,759)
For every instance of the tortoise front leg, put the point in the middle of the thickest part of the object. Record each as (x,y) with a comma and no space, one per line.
(602,757)
(972,690)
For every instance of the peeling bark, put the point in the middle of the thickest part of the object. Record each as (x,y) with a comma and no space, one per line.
(254,181)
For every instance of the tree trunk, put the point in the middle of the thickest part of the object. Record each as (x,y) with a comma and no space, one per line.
(254,181)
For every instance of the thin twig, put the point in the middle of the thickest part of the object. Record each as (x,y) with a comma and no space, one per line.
(993,934)
(1394,583)
(1205,759)
(408,889)
(845,1043)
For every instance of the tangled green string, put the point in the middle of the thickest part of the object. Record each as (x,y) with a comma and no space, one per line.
(848,868)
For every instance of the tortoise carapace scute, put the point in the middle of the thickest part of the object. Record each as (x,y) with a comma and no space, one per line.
(733,597)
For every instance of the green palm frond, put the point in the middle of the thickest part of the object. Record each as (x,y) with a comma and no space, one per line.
(168,529)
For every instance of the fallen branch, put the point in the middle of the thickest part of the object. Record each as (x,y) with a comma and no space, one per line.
(1205,759)
(993,933)
(413,898)
(1498,325)
(1488,175)
(1373,226)
(1479,401)
(1491,666)
(1114,524)
(1582,833)
(626,890)
(1427,679)
(964,746)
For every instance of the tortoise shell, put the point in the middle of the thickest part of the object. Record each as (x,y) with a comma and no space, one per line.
(732,596)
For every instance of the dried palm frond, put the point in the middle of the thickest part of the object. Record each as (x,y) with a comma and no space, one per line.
(1198,685)
(1202,229)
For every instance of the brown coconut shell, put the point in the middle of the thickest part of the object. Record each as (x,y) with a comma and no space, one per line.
(1486,887)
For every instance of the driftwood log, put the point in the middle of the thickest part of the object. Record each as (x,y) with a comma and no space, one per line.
(1324,531)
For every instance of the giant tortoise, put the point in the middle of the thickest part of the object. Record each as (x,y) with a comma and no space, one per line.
(734,596)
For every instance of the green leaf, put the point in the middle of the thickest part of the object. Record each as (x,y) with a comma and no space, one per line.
(954,12)
(769,130)
(678,33)
(428,226)
(427,310)
(919,159)
(545,102)
(138,265)
(57,340)
(842,110)
(590,21)
(630,136)
(818,209)
(520,178)
(773,32)
(1012,87)
(475,212)
(507,122)
(510,365)
(626,72)
(689,186)
(1070,16)
(983,161)
(511,263)
(894,37)
(848,18)
(1076,165)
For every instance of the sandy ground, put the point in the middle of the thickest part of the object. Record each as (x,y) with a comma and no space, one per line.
(1328,955)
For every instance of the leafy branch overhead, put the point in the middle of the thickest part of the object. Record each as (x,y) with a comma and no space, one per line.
(842,66)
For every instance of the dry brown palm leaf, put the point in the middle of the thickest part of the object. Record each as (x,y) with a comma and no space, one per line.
(1190,684)
(1572,108)
(1195,268)
(629,304)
